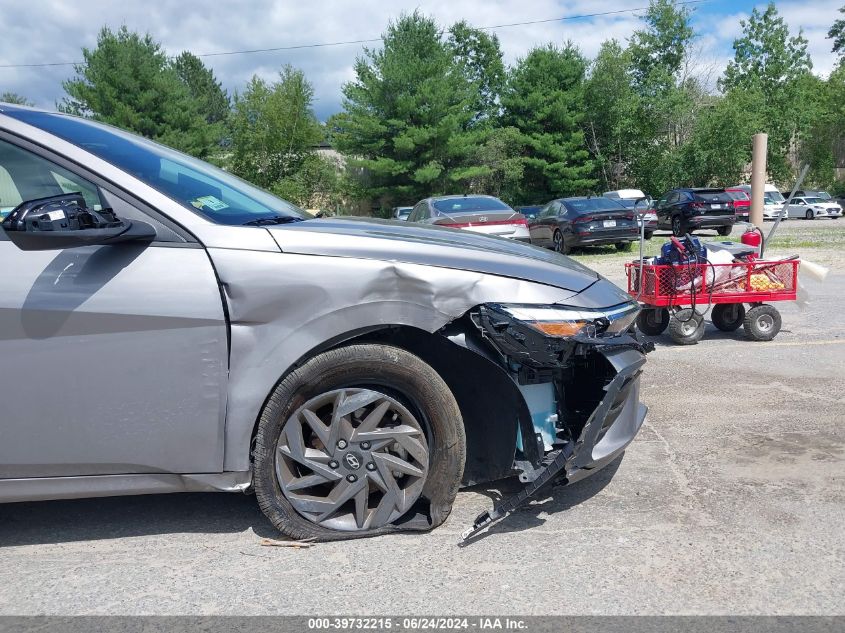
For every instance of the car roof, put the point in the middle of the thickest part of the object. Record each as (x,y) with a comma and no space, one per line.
(462,195)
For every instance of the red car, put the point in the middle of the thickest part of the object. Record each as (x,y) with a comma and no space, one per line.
(742,203)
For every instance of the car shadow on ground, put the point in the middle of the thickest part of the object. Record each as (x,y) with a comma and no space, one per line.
(75,520)
(67,521)
(549,500)
(711,333)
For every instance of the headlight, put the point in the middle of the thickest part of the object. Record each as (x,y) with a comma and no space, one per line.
(554,320)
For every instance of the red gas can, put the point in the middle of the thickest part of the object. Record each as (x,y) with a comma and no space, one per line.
(753,238)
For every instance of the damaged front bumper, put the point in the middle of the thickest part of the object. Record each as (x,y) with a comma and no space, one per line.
(594,379)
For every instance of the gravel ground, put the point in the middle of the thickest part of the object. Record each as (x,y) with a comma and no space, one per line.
(730,501)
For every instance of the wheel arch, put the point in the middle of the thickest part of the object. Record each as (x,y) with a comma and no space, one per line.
(492,407)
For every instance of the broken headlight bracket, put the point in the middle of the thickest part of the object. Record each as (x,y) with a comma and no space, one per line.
(524,344)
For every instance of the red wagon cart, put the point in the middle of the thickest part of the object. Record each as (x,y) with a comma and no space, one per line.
(670,293)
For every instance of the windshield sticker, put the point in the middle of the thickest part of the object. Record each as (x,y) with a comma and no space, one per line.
(210,202)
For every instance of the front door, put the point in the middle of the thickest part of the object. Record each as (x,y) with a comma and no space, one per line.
(113,359)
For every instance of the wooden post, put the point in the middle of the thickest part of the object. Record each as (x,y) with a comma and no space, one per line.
(758,177)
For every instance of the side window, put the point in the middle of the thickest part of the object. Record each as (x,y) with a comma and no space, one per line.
(416,213)
(672,198)
(26,176)
(550,210)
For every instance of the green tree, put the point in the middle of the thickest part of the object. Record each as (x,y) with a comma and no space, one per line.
(837,34)
(667,99)
(544,101)
(495,163)
(658,51)
(478,56)
(211,98)
(611,105)
(769,60)
(407,113)
(126,81)
(824,140)
(15,98)
(273,128)
(720,146)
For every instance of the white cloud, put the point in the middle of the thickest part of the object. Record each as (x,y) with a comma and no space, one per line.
(55,30)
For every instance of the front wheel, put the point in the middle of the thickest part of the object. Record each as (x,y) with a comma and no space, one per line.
(356,441)
(724,231)
(809,215)
(648,234)
(653,321)
(762,323)
(678,227)
(686,327)
(728,316)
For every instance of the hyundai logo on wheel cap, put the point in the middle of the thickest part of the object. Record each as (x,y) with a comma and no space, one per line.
(353,461)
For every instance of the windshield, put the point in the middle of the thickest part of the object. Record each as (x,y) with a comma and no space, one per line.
(469,204)
(587,205)
(773,197)
(197,185)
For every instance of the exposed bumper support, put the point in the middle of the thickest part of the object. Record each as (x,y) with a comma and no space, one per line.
(574,458)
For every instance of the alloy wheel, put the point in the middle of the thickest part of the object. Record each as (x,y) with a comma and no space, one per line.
(352,459)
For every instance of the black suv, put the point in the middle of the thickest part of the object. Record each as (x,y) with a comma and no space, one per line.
(687,210)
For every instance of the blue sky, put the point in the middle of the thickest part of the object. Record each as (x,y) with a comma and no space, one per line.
(39,31)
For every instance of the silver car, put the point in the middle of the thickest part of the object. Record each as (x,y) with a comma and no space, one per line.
(167,327)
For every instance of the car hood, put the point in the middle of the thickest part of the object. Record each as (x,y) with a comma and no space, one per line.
(386,240)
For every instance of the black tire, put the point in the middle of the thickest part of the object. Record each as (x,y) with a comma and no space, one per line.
(728,316)
(686,327)
(394,371)
(653,321)
(809,215)
(623,246)
(724,231)
(560,244)
(648,234)
(762,323)
(679,228)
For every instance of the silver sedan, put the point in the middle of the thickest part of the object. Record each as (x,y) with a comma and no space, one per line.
(167,327)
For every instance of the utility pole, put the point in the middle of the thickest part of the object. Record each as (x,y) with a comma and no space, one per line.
(758,177)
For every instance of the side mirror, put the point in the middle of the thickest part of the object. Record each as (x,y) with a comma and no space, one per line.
(65,221)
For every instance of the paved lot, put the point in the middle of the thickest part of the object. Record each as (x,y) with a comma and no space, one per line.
(731,500)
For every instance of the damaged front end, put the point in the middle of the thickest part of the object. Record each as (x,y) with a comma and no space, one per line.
(578,370)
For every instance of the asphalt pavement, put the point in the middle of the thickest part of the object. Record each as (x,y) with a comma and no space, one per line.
(730,501)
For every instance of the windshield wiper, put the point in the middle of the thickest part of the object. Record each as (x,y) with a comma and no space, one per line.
(274,219)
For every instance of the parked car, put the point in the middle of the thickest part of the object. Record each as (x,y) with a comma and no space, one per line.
(480,214)
(773,201)
(687,210)
(530,212)
(742,203)
(810,208)
(824,195)
(167,327)
(569,223)
(641,203)
(402,213)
